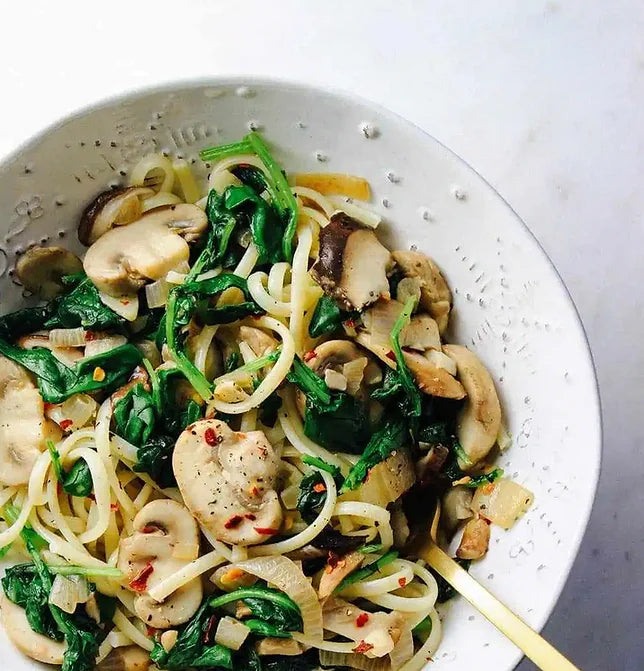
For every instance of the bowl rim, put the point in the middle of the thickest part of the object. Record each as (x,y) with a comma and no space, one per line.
(241,80)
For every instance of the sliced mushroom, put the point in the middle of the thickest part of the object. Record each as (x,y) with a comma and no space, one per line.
(130,658)
(352,264)
(479,421)
(475,540)
(123,259)
(41,269)
(29,642)
(374,633)
(421,334)
(432,379)
(164,540)
(115,207)
(336,570)
(435,296)
(24,431)
(228,480)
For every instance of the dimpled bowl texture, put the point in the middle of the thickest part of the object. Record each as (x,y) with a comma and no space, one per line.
(511,307)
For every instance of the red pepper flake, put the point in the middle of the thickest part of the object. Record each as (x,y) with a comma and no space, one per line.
(333,559)
(209,627)
(362,619)
(124,301)
(309,355)
(402,581)
(319,487)
(250,516)
(65,424)
(152,632)
(391,355)
(149,529)
(139,584)
(363,647)
(254,491)
(89,336)
(233,522)
(91,497)
(266,531)
(48,406)
(114,506)
(210,436)
(349,323)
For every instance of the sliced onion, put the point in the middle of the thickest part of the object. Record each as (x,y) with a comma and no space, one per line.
(286,576)
(150,352)
(101,345)
(182,267)
(77,409)
(124,306)
(209,274)
(221,180)
(159,199)
(156,293)
(353,661)
(429,647)
(380,319)
(67,337)
(403,650)
(231,633)
(124,449)
(353,371)
(173,277)
(68,591)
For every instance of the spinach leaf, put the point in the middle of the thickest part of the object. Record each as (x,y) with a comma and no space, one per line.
(265,225)
(335,420)
(265,629)
(154,457)
(307,661)
(284,615)
(83,307)
(484,478)
(24,321)
(134,415)
(367,570)
(223,224)
(269,408)
(56,382)
(327,317)
(191,648)
(251,176)
(78,480)
(423,629)
(312,493)
(232,362)
(282,607)
(389,437)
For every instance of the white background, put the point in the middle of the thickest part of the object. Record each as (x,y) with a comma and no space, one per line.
(544,98)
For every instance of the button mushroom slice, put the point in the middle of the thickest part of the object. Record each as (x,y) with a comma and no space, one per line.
(375,634)
(228,480)
(41,269)
(165,539)
(421,334)
(130,658)
(24,430)
(480,419)
(435,296)
(115,207)
(29,642)
(123,259)
(336,570)
(432,379)
(352,264)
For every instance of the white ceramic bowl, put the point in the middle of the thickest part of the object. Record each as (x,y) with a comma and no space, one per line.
(511,306)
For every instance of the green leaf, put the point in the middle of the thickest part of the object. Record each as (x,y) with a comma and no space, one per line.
(216,656)
(389,437)
(484,478)
(26,320)
(232,362)
(225,150)
(406,378)
(155,459)
(134,415)
(78,481)
(327,317)
(265,629)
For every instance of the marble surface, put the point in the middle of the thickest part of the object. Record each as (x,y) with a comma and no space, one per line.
(543,98)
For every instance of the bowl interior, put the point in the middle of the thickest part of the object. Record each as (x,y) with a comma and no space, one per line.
(511,307)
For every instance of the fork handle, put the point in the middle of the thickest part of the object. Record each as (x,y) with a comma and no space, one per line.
(524,637)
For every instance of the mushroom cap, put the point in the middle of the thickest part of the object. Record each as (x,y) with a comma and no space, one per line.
(130,658)
(41,269)
(166,537)
(123,259)
(228,480)
(435,296)
(479,421)
(114,207)
(34,645)
(24,431)
(352,263)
